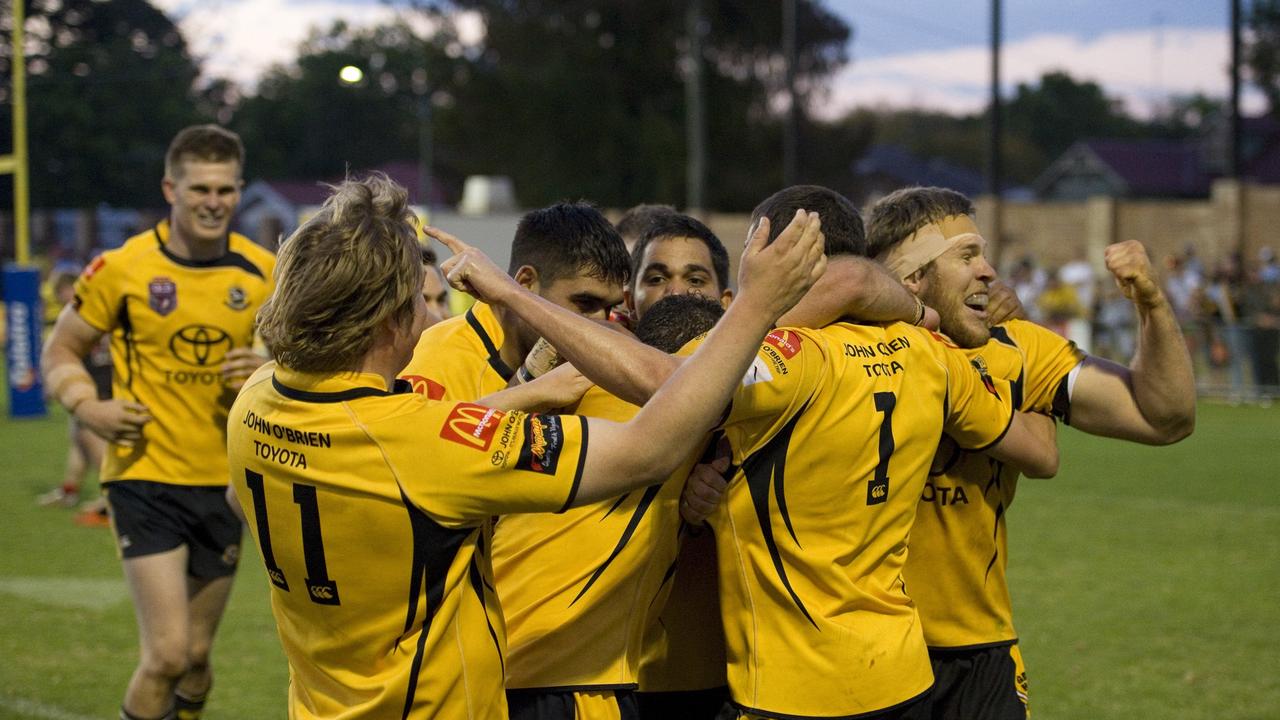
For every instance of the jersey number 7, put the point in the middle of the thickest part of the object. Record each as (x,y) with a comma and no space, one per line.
(320,588)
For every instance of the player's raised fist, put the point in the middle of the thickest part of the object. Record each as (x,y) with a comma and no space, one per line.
(473,272)
(1129,263)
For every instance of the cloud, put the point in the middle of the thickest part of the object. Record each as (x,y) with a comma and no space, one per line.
(241,39)
(1141,67)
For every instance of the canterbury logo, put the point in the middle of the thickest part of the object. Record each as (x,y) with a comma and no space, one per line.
(472,425)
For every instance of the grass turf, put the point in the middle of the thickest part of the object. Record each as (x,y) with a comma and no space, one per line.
(1144,581)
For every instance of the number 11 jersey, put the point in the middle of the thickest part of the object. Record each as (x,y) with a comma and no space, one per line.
(369,507)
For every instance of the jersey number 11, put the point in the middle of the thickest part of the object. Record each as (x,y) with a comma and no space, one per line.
(320,588)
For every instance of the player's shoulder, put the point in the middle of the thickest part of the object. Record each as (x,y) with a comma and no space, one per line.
(136,248)
(1021,333)
(262,258)
(452,329)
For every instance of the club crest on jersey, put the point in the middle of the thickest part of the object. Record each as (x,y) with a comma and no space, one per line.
(981,366)
(237,298)
(162,295)
(472,425)
(425,386)
(785,341)
(543,441)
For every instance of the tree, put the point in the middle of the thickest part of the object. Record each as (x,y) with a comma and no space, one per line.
(304,122)
(1062,110)
(109,84)
(1262,49)
(585,98)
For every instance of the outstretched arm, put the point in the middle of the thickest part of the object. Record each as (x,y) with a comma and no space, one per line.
(674,422)
(861,289)
(669,427)
(1153,401)
(615,361)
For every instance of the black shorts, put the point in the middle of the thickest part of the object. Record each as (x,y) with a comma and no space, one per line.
(563,704)
(692,704)
(917,708)
(153,517)
(980,684)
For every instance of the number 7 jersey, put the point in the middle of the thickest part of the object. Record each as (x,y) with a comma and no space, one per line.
(368,507)
(833,432)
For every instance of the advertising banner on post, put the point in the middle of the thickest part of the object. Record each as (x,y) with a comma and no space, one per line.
(24,317)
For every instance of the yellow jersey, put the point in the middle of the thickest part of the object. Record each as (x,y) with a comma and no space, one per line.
(457,358)
(172,322)
(956,572)
(833,431)
(368,507)
(576,587)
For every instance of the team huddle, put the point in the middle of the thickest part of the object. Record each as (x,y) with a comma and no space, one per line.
(616,486)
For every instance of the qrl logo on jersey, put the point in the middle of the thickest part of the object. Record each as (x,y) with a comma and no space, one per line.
(162,295)
(425,386)
(472,425)
(785,342)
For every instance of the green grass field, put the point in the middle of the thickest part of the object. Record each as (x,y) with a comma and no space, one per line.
(1146,582)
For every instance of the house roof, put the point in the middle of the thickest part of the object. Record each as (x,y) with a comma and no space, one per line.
(906,168)
(1137,168)
(1154,167)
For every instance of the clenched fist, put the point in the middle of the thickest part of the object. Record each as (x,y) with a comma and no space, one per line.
(1129,263)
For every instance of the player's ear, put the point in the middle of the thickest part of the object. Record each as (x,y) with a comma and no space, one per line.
(527,276)
(726,297)
(629,301)
(170,190)
(915,282)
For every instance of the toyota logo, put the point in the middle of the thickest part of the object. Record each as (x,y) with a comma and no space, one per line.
(200,345)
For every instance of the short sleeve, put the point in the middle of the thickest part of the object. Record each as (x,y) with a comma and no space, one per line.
(786,372)
(1049,358)
(98,292)
(482,462)
(979,407)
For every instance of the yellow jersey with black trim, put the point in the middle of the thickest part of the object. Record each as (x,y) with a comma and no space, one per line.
(576,587)
(832,432)
(957,569)
(172,322)
(368,507)
(457,358)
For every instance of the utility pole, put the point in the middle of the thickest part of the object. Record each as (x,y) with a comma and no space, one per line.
(1233,164)
(695,125)
(790,131)
(994,171)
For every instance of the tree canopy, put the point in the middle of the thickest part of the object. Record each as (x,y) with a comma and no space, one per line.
(109,84)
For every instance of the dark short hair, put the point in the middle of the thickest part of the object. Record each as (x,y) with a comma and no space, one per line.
(428,255)
(676,319)
(895,216)
(841,221)
(208,143)
(676,225)
(569,239)
(636,220)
